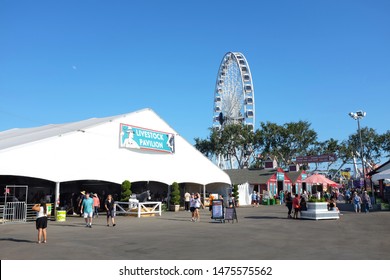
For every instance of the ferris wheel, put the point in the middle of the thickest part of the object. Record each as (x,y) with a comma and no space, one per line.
(234,99)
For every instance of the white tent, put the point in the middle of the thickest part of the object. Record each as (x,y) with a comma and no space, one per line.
(92,150)
(381,175)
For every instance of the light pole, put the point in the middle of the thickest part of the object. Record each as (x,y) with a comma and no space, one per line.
(357,116)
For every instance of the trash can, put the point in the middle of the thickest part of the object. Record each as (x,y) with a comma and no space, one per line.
(272,201)
(48,209)
(265,201)
(61,216)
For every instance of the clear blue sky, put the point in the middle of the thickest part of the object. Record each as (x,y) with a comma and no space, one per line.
(63,61)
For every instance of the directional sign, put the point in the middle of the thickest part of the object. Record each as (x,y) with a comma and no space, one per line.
(321,158)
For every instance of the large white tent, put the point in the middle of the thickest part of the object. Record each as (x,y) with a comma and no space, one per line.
(92,150)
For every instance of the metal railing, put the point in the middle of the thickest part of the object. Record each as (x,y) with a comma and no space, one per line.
(13,212)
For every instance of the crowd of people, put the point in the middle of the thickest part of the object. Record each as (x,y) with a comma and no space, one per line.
(89,205)
(193,202)
(360,199)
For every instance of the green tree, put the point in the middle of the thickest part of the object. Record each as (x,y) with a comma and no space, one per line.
(126,191)
(235,143)
(372,144)
(175,194)
(385,143)
(287,141)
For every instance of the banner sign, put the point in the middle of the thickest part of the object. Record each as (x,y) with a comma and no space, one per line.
(217,209)
(321,158)
(134,137)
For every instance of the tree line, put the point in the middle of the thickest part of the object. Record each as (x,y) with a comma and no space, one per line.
(242,147)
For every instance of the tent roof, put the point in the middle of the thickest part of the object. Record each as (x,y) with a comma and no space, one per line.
(19,136)
(380,168)
(252,176)
(382,175)
(319,179)
(294,175)
(90,150)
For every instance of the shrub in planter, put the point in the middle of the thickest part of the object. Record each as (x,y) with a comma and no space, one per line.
(126,191)
(175,194)
(314,199)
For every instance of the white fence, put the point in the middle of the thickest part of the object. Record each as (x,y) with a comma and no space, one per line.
(143,208)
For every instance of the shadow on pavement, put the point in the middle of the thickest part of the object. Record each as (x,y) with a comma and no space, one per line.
(265,218)
(17,240)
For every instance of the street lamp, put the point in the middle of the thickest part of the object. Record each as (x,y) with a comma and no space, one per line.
(357,116)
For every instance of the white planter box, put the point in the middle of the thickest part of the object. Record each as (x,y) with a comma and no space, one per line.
(319,211)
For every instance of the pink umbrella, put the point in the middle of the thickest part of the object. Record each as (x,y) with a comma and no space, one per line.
(317,179)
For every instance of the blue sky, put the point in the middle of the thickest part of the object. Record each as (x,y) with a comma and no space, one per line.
(63,61)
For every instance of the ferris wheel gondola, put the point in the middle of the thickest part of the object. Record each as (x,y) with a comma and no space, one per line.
(234,100)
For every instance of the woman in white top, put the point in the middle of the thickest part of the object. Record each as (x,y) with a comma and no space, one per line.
(197,205)
(41,222)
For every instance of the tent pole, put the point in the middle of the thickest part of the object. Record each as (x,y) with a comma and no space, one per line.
(204,193)
(57,199)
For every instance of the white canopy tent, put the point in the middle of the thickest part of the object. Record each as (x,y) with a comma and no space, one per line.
(91,150)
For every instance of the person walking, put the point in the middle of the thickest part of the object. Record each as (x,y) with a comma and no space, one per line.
(192,207)
(231,200)
(41,221)
(289,202)
(254,199)
(197,204)
(356,202)
(87,210)
(281,197)
(96,205)
(80,200)
(295,205)
(347,196)
(187,197)
(109,204)
(366,202)
(305,196)
(211,198)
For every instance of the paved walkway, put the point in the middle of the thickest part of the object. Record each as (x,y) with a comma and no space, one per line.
(261,233)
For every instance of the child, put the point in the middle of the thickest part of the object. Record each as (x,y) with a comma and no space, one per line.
(41,222)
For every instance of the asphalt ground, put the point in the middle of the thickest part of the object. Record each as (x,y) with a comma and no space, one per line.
(262,232)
